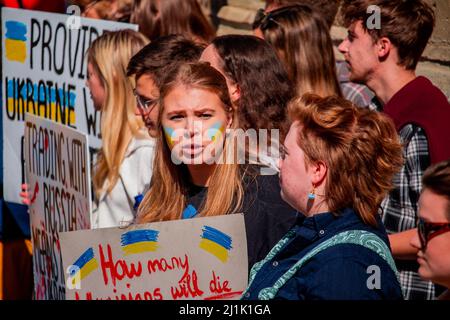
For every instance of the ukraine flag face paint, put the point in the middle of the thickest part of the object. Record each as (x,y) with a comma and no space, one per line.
(215,132)
(169,133)
(210,138)
(194,122)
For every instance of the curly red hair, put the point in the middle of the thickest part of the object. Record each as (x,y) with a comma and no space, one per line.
(360,147)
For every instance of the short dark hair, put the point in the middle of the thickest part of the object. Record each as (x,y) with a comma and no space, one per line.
(265,87)
(326,8)
(162,55)
(408,24)
(437,179)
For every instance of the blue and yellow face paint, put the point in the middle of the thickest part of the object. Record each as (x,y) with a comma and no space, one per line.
(216,242)
(216,131)
(15,41)
(139,241)
(85,264)
(169,134)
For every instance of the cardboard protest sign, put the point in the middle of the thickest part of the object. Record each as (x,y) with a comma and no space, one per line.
(44,73)
(201,258)
(58,174)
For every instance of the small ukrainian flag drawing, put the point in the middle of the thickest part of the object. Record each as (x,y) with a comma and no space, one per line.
(15,41)
(139,241)
(216,242)
(85,264)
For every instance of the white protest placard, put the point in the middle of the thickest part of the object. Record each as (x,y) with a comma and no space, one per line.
(58,175)
(201,258)
(44,73)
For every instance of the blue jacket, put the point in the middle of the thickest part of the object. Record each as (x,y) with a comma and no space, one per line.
(341,272)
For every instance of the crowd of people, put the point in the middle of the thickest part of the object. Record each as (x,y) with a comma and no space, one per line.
(358,172)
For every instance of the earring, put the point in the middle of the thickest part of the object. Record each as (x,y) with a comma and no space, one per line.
(312,194)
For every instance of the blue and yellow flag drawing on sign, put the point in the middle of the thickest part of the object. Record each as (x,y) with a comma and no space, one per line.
(139,241)
(86,263)
(216,242)
(15,41)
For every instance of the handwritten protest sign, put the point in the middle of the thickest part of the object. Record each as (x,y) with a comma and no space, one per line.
(57,162)
(44,73)
(201,258)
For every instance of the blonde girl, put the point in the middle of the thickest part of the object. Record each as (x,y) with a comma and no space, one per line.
(122,171)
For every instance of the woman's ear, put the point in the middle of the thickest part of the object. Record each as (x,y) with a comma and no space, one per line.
(319,172)
(235,92)
(230,119)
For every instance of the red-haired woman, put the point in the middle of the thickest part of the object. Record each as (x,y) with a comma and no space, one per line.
(337,167)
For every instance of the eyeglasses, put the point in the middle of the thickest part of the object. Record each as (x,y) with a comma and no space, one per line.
(144,104)
(429,230)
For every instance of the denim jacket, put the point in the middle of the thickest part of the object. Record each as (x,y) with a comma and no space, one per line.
(341,272)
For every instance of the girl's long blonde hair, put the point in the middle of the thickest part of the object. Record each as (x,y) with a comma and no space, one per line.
(109,55)
(166,199)
(302,41)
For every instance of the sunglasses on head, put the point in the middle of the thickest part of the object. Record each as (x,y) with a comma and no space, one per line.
(262,19)
(260,15)
(429,230)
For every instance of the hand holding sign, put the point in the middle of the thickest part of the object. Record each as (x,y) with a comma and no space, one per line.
(58,173)
(25,194)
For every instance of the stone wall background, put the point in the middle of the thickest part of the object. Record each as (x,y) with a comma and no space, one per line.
(236,17)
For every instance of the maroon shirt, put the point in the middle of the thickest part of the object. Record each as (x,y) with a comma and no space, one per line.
(422,104)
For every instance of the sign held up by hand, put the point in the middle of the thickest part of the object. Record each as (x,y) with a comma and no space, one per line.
(202,258)
(44,72)
(58,175)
